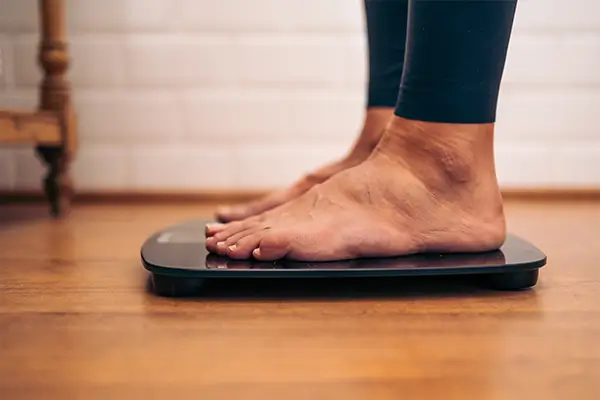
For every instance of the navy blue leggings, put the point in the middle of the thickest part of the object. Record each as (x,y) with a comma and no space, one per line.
(438,60)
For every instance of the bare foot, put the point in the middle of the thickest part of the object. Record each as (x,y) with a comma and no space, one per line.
(426,188)
(375,122)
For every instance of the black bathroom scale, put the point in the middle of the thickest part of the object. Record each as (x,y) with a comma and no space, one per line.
(180,265)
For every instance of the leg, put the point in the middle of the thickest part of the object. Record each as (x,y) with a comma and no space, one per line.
(386,32)
(56,189)
(430,185)
(55,96)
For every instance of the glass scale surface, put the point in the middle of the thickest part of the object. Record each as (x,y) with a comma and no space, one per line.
(180,265)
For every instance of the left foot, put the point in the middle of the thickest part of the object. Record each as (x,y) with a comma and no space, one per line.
(376,119)
(427,187)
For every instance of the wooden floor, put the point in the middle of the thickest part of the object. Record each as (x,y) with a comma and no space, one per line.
(76,322)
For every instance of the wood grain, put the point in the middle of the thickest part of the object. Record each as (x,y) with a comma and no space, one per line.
(76,321)
(29,127)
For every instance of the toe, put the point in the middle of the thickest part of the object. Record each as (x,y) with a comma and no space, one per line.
(233,231)
(272,246)
(243,248)
(233,228)
(221,248)
(214,245)
(213,228)
(231,213)
(233,239)
(211,244)
(306,242)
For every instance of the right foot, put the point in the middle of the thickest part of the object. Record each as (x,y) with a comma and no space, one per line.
(375,123)
(427,188)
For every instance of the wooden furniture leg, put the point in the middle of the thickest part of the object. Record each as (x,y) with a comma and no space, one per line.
(51,128)
(55,97)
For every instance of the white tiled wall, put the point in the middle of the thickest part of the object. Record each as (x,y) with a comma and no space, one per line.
(198,94)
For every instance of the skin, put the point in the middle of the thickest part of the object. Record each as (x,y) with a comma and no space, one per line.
(376,119)
(425,187)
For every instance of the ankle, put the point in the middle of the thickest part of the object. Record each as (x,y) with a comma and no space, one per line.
(376,120)
(439,153)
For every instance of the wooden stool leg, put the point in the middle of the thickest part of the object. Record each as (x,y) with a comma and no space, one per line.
(55,96)
(57,184)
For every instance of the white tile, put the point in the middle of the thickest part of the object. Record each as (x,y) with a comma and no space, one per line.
(559,164)
(18,15)
(25,99)
(96,61)
(8,168)
(101,167)
(267,90)
(355,59)
(176,61)
(577,164)
(271,15)
(226,114)
(293,60)
(325,15)
(558,15)
(5,101)
(525,165)
(263,166)
(30,170)
(209,61)
(325,114)
(93,16)
(181,167)
(553,59)
(258,114)
(26,69)
(6,61)
(128,115)
(231,15)
(543,113)
(151,60)
(93,61)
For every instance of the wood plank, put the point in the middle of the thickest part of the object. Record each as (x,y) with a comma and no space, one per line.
(29,127)
(77,322)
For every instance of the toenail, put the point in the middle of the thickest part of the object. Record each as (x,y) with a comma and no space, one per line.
(221,244)
(256,252)
(232,247)
(214,225)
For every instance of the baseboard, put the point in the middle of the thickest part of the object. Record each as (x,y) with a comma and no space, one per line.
(550,194)
(207,196)
(232,196)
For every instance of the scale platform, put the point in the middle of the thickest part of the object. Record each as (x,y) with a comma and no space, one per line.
(180,265)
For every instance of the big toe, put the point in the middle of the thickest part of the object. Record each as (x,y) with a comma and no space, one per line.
(244,247)
(292,241)
(309,241)
(273,246)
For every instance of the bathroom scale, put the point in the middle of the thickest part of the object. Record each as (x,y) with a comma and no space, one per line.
(179,264)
